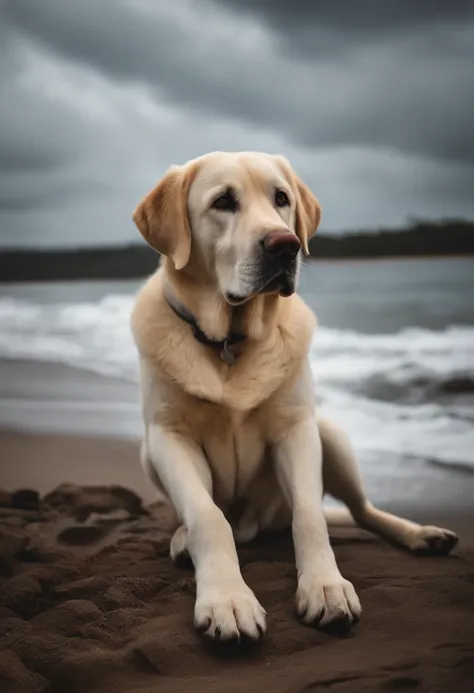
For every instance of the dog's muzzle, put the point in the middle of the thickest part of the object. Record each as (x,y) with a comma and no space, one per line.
(276,270)
(280,250)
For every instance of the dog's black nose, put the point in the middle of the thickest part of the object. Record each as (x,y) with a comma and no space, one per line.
(281,245)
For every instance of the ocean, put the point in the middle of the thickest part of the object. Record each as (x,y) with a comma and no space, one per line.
(392,358)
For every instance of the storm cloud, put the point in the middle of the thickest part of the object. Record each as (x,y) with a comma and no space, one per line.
(372,102)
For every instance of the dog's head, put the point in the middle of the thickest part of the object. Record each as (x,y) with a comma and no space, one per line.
(240,219)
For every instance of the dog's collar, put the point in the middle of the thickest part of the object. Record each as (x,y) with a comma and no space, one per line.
(223,345)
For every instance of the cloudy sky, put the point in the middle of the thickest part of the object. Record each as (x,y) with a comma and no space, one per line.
(372,102)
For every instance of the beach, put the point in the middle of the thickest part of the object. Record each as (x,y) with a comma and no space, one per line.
(89,599)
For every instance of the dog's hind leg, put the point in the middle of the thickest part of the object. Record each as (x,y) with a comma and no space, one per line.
(343,481)
(179,548)
(243,533)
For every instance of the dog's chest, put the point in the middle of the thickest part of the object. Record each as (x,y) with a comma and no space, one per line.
(234,445)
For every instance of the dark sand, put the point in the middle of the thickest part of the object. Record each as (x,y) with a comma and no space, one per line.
(90,601)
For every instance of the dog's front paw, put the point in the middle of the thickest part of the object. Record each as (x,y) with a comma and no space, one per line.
(228,612)
(326,602)
(433,541)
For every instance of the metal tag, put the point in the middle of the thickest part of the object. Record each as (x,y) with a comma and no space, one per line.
(227,355)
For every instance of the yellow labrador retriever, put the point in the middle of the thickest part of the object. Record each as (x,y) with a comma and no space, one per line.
(232,435)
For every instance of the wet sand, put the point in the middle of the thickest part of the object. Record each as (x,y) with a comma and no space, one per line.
(90,601)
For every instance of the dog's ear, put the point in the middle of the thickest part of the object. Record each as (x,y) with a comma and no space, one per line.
(308,213)
(308,210)
(162,216)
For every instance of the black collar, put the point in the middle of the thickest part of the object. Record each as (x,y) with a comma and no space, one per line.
(223,345)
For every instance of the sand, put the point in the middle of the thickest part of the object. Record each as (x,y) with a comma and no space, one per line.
(90,601)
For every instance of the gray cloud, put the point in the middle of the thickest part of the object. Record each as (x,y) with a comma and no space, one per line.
(99,97)
(402,89)
(362,18)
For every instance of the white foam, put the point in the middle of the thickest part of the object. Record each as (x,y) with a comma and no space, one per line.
(400,358)
(96,337)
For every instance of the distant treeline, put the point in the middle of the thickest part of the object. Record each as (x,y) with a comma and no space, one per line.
(424,238)
(138,260)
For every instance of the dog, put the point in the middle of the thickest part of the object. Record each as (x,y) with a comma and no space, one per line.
(232,436)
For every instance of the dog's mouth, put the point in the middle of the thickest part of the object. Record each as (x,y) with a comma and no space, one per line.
(283,284)
(235,300)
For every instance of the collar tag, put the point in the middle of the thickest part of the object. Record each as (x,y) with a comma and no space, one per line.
(225,345)
(227,355)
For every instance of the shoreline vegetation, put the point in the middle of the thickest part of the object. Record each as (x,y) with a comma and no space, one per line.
(423,239)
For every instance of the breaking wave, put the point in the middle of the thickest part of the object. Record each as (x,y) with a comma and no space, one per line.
(410,393)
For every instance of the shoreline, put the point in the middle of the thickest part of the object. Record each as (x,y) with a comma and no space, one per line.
(51,412)
(57,398)
(42,461)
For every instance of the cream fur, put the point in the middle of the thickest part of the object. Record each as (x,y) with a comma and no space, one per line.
(239,448)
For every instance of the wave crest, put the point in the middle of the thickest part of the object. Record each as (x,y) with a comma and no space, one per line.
(406,393)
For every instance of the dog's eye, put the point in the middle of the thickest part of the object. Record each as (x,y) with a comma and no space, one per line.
(281,199)
(226,202)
